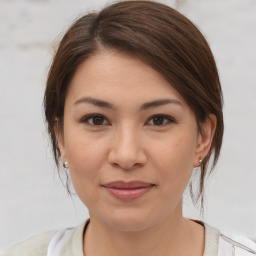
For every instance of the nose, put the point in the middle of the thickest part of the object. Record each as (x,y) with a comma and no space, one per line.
(126,149)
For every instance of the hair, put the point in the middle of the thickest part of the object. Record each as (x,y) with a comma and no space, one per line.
(162,38)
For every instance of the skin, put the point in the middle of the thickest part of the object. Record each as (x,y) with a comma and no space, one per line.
(126,143)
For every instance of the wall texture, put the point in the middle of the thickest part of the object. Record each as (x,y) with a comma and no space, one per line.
(32,199)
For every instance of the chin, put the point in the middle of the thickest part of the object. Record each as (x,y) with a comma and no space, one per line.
(129,222)
(129,226)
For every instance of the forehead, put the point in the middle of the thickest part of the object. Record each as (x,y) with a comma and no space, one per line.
(117,76)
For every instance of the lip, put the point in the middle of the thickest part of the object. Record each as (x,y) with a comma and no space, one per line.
(127,191)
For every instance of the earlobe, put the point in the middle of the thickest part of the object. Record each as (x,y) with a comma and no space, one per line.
(60,139)
(205,139)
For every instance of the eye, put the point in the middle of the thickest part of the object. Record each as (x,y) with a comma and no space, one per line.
(95,120)
(160,120)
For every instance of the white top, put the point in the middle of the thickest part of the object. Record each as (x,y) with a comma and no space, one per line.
(69,242)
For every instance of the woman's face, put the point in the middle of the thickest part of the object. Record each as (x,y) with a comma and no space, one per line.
(131,142)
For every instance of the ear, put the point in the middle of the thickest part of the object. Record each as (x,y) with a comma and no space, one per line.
(60,139)
(205,138)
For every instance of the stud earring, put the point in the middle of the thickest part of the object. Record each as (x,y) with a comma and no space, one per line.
(200,161)
(65,165)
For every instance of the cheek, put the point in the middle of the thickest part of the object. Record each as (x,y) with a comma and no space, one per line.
(176,153)
(174,159)
(86,156)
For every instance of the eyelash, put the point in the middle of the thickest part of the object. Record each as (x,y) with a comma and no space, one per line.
(167,119)
(87,118)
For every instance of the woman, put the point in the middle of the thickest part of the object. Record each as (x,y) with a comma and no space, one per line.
(133,104)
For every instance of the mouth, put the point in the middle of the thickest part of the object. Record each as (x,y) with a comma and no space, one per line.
(127,191)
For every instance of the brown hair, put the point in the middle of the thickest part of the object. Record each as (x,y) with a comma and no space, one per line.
(158,35)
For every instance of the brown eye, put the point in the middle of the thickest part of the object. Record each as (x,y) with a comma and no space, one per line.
(160,120)
(98,120)
(94,120)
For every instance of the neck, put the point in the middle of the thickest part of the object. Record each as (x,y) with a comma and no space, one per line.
(171,236)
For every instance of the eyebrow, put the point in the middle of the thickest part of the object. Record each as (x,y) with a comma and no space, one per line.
(97,102)
(145,106)
(160,102)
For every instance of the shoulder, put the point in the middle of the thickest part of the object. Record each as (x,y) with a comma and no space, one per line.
(36,245)
(240,245)
(68,240)
(227,243)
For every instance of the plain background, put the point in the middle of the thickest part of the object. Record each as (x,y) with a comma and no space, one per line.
(32,199)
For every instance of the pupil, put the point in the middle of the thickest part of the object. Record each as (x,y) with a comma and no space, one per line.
(97,120)
(158,120)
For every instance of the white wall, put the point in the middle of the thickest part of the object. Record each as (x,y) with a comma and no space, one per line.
(32,198)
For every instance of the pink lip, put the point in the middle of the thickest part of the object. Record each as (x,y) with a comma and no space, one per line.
(127,191)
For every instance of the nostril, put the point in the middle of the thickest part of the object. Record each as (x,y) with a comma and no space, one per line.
(125,166)
(127,156)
